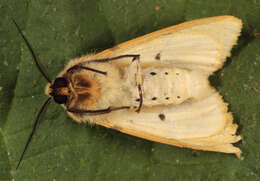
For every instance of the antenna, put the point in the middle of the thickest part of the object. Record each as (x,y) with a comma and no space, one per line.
(35,124)
(32,52)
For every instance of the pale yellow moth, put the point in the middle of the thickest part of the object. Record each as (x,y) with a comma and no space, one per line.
(156,86)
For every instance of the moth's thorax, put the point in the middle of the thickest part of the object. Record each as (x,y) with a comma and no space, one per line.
(85,91)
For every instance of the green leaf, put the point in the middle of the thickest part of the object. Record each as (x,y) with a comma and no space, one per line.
(64,150)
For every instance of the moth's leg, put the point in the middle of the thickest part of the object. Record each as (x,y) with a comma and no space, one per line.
(98,111)
(138,77)
(79,66)
(104,60)
(140,98)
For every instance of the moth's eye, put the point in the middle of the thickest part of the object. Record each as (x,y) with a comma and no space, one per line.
(60,99)
(59,82)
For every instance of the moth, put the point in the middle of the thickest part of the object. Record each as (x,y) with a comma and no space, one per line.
(154,87)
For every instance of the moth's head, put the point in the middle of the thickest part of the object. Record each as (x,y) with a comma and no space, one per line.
(59,90)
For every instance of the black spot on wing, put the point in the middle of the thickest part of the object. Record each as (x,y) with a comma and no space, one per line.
(158,56)
(162,117)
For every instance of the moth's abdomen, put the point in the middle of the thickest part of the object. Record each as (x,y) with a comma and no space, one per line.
(170,85)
